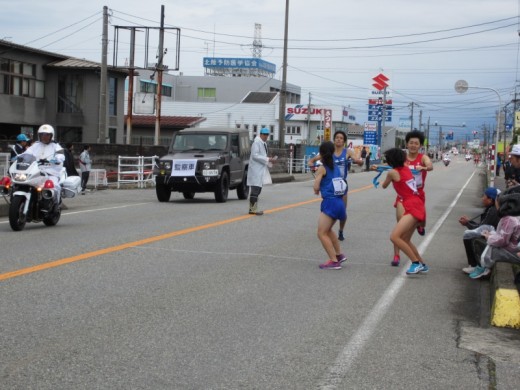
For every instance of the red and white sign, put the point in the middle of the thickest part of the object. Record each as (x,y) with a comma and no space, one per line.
(380,82)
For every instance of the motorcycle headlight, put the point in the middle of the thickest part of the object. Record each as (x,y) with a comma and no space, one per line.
(20,177)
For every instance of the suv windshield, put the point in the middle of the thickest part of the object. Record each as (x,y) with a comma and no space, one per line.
(199,142)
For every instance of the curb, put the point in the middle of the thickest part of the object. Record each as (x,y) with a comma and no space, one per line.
(505,309)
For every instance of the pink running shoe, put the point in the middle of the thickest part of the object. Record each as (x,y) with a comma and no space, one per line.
(331,265)
(395,261)
(341,258)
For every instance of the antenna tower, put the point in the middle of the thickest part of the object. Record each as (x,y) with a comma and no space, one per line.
(257,43)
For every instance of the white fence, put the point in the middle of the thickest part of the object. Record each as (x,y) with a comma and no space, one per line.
(298,165)
(4,163)
(137,170)
(98,178)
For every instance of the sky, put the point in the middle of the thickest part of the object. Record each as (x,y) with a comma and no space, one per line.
(335,47)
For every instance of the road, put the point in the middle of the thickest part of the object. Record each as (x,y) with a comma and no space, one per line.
(129,293)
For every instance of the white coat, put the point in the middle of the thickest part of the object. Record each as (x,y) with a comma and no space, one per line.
(50,151)
(257,163)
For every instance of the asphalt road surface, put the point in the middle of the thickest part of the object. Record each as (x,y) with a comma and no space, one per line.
(129,293)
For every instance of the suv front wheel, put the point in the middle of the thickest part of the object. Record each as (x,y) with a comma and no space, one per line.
(221,192)
(163,192)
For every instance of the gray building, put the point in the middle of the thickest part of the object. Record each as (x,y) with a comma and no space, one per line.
(39,87)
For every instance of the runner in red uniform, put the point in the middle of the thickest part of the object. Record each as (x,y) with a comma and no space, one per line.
(419,162)
(412,204)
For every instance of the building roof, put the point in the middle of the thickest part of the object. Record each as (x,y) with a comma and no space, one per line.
(78,63)
(15,46)
(259,97)
(166,121)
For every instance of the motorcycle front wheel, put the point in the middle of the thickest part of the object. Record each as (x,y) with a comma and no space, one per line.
(17,219)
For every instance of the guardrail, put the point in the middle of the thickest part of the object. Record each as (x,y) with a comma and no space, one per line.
(136,170)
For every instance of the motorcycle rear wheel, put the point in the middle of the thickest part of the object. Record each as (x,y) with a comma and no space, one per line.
(52,218)
(17,219)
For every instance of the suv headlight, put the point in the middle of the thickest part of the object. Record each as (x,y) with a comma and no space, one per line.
(165,165)
(209,168)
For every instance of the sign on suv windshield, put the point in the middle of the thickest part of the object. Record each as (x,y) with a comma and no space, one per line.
(200,142)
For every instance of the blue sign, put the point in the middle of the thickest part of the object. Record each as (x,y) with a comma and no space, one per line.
(242,63)
(379,116)
(370,137)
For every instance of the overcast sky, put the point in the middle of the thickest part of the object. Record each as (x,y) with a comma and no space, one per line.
(335,46)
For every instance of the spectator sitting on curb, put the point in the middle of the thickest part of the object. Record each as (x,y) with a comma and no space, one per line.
(514,157)
(502,244)
(488,222)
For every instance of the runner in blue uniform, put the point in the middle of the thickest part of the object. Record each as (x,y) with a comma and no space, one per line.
(341,158)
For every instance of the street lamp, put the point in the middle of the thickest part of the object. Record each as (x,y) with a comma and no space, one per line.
(462,86)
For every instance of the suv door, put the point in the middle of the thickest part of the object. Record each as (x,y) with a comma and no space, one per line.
(235,163)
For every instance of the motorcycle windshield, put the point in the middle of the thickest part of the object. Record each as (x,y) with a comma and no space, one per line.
(24,161)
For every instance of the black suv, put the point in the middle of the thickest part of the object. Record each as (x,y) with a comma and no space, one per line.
(213,159)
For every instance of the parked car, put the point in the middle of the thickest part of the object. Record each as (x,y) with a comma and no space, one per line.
(205,160)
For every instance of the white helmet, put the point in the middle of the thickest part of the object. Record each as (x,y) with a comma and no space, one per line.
(46,129)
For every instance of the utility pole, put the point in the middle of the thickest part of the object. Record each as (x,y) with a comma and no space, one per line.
(159,80)
(428,135)
(383,117)
(281,120)
(420,120)
(130,99)
(411,117)
(309,121)
(103,114)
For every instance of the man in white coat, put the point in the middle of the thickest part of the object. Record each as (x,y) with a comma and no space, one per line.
(257,169)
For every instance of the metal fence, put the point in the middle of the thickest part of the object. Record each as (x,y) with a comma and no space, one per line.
(4,163)
(137,170)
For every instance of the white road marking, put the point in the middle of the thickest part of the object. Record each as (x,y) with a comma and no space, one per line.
(95,210)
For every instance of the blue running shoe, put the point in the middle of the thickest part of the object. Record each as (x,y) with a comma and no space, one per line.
(425,269)
(341,237)
(415,268)
(479,272)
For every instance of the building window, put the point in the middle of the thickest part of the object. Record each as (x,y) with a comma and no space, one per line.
(70,93)
(112,96)
(167,90)
(69,134)
(19,79)
(207,93)
(294,130)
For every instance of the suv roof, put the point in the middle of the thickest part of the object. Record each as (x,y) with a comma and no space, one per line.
(213,130)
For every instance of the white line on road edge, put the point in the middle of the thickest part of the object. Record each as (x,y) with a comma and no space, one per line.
(341,366)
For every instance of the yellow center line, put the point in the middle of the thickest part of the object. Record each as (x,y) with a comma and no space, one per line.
(144,241)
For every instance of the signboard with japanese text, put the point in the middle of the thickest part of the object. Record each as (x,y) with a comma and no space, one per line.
(184,167)
(327,122)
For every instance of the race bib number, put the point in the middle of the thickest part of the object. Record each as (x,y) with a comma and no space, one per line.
(418,177)
(412,185)
(340,187)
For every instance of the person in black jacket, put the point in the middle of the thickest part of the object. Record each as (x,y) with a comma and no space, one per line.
(69,161)
(488,221)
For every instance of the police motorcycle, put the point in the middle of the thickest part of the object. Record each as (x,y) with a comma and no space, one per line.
(32,193)
(446,160)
